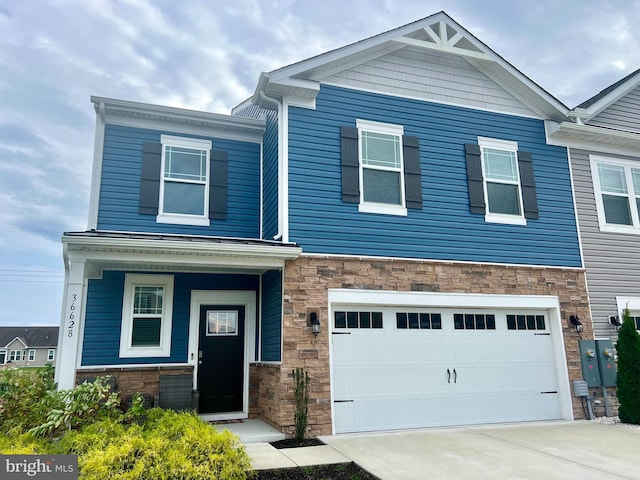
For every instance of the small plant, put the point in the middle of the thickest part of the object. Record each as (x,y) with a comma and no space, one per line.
(301,396)
(628,348)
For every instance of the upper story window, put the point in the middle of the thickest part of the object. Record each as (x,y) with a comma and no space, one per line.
(380,168)
(617,189)
(501,181)
(147,311)
(184,187)
(183,181)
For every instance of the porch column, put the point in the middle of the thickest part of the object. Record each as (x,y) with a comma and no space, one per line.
(72,316)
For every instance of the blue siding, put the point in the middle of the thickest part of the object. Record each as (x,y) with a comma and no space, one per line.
(270,177)
(271,326)
(104,314)
(444,229)
(120,186)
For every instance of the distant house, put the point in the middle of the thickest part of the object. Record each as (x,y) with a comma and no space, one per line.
(388,215)
(28,346)
(603,136)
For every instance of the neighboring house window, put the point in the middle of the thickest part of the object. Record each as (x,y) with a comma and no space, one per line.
(501,182)
(380,168)
(617,189)
(16,355)
(183,181)
(32,355)
(146,316)
(51,355)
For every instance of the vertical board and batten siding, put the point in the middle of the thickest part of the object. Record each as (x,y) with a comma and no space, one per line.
(271,324)
(612,260)
(437,76)
(120,186)
(444,229)
(623,114)
(103,318)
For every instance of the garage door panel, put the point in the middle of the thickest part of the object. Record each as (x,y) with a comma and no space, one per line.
(394,378)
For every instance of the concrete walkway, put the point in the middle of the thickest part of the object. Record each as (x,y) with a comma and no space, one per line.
(264,456)
(563,450)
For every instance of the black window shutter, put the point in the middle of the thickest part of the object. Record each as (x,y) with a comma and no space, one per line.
(529,200)
(150,178)
(474,177)
(412,173)
(218,185)
(350,164)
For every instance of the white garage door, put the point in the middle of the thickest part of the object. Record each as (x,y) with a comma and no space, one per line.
(396,368)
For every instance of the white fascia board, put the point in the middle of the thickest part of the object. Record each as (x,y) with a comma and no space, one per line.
(124,112)
(96,169)
(590,137)
(613,96)
(18,339)
(109,248)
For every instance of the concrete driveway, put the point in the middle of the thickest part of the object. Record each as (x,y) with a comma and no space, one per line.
(567,450)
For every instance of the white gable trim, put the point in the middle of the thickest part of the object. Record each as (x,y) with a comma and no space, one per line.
(613,96)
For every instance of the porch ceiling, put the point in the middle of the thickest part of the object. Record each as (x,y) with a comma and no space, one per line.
(153,252)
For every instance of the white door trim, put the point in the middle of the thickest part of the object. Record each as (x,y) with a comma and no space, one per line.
(549,303)
(247,298)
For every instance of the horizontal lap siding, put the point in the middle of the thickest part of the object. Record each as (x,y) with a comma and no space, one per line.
(612,260)
(103,319)
(414,72)
(444,229)
(120,186)
(270,178)
(623,114)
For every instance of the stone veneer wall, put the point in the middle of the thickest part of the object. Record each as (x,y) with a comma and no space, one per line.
(308,278)
(145,380)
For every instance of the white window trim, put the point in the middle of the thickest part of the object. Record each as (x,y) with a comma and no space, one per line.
(484,142)
(164,349)
(51,355)
(627,164)
(32,355)
(181,219)
(372,207)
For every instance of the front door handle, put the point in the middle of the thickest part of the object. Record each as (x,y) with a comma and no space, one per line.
(448,376)
(455,376)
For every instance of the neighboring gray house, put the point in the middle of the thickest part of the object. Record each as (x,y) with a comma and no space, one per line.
(28,346)
(604,150)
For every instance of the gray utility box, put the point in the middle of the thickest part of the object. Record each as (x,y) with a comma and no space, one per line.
(589,363)
(606,362)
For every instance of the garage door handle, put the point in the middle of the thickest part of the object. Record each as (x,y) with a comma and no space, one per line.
(340,333)
(448,376)
(455,376)
(343,401)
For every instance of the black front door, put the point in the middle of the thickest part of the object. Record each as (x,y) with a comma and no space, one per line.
(221,358)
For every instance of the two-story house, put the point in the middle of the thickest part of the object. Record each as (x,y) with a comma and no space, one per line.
(388,215)
(604,139)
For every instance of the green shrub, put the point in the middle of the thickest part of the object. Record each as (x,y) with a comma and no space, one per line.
(168,445)
(26,398)
(628,348)
(301,397)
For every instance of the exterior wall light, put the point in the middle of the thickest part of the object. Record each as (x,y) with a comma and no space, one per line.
(577,324)
(615,322)
(315,323)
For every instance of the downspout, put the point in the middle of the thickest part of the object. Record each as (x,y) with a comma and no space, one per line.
(273,101)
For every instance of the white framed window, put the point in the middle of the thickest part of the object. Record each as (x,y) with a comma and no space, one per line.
(16,355)
(617,189)
(51,355)
(184,181)
(381,168)
(32,355)
(501,176)
(147,311)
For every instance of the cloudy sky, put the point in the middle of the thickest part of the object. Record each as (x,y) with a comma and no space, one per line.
(206,55)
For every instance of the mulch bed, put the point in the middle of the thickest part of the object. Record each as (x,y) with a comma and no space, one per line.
(337,471)
(293,443)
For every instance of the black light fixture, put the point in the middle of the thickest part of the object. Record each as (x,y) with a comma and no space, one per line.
(615,322)
(315,323)
(575,321)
